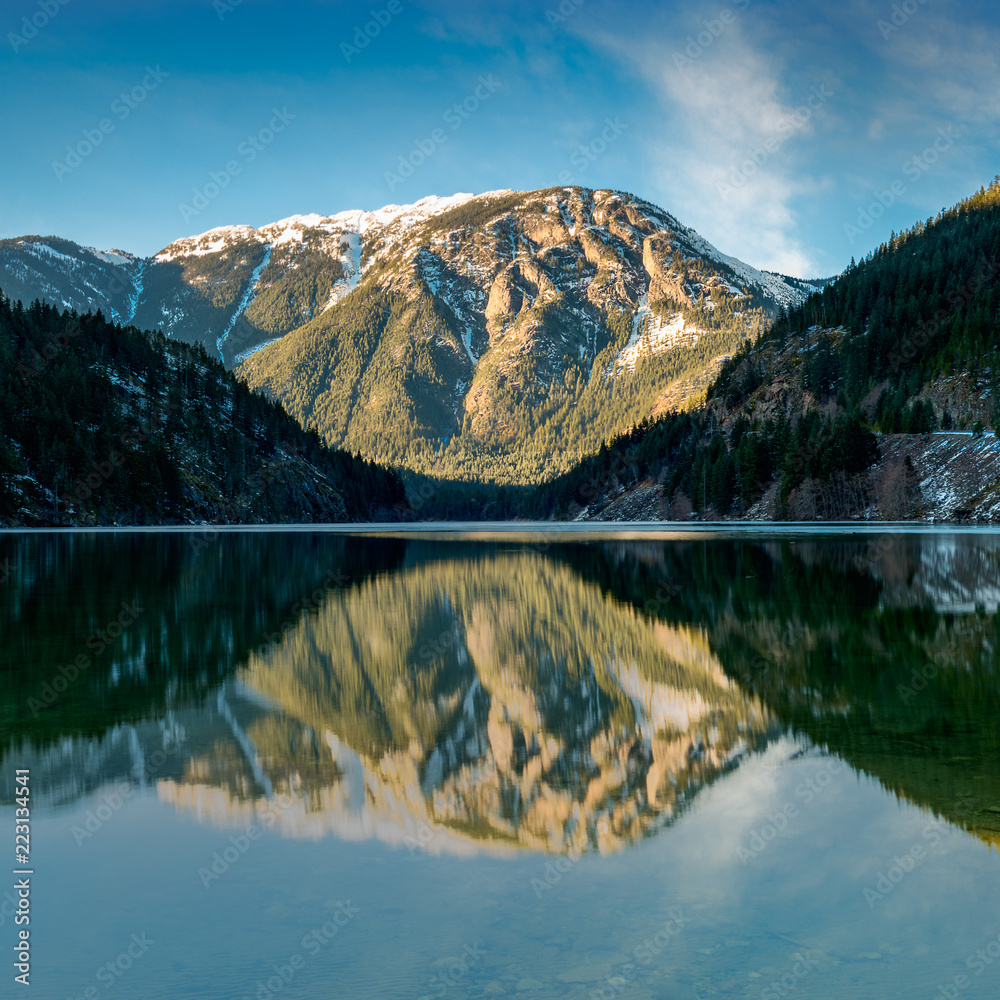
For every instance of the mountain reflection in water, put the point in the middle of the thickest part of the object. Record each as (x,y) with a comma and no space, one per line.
(464,697)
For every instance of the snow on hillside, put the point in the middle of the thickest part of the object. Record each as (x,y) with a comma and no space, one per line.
(71,277)
(248,296)
(404,216)
(662,336)
(119,257)
(43,249)
(292,229)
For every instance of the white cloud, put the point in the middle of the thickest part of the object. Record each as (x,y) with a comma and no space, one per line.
(726,169)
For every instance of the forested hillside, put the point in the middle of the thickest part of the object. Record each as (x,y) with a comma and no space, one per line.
(921,308)
(105,425)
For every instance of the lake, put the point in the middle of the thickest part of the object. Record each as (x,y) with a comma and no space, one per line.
(319,764)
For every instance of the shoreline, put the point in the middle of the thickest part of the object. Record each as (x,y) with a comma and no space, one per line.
(566,531)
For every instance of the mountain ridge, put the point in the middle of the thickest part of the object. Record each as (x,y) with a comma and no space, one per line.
(870,401)
(103,424)
(498,337)
(289,230)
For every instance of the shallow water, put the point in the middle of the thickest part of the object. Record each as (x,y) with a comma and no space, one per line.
(309,764)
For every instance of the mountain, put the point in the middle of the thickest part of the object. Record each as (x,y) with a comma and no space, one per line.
(68,276)
(101,424)
(495,338)
(871,399)
(505,336)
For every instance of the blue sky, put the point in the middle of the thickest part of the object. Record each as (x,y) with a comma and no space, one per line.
(794,135)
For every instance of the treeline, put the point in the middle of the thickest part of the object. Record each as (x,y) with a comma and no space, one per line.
(101,424)
(923,305)
(700,469)
(695,462)
(373,375)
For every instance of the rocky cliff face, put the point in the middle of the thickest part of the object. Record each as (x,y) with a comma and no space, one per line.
(500,338)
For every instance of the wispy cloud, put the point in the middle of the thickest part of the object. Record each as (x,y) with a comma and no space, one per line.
(723,157)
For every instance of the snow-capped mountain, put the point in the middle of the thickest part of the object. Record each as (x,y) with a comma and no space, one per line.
(199,288)
(70,276)
(476,321)
(232,266)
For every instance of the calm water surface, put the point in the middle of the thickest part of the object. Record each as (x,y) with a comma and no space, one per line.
(306,765)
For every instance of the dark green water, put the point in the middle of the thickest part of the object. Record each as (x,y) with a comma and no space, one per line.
(307,765)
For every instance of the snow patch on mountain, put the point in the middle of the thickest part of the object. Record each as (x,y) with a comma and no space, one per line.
(251,351)
(652,334)
(776,286)
(44,250)
(248,296)
(658,336)
(118,257)
(213,241)
(138,288)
